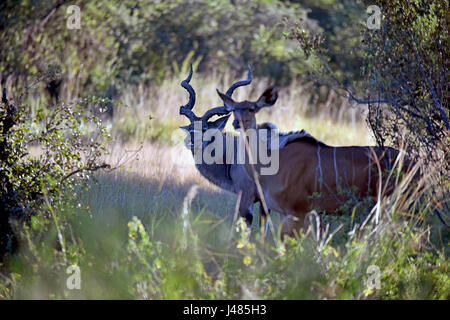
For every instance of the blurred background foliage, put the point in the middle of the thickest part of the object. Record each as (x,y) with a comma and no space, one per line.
(130,42)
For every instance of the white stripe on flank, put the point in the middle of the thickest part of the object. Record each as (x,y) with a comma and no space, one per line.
(319,166)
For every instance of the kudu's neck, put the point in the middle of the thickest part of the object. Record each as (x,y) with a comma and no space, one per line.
(251,163)
(217,173)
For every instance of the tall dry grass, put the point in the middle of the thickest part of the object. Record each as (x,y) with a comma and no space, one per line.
(151,113)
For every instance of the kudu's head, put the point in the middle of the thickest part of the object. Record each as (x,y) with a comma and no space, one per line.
(202,123)
(244,112)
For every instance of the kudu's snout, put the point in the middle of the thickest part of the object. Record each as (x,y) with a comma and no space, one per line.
(236,124)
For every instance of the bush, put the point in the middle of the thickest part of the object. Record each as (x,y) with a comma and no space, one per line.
(43,159)
(403,71)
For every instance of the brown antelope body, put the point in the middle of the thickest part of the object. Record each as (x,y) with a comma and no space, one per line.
(311,175)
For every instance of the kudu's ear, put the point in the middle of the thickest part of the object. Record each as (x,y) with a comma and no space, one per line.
(227,101)
(268,98)
(219,123)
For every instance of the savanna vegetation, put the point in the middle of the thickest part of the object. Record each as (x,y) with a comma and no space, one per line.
(94,175)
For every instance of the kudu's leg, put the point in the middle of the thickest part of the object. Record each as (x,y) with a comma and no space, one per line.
(246,208)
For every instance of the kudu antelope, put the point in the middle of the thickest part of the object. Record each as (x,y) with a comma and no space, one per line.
(311,175)
(231,177)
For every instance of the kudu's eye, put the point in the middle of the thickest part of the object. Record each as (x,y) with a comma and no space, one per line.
(251,110)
